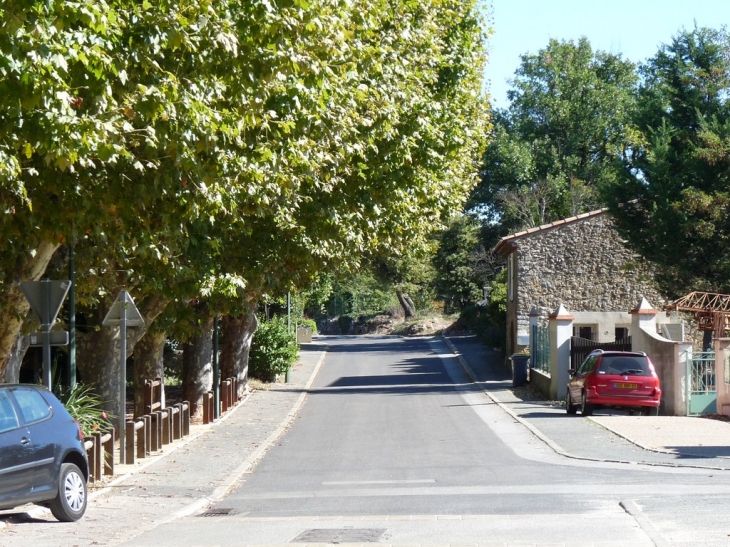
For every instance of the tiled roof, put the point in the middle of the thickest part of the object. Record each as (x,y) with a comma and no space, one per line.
(506,244)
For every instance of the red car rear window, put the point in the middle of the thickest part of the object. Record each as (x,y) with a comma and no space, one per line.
(625,365)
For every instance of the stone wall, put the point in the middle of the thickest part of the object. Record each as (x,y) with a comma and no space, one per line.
(583,266)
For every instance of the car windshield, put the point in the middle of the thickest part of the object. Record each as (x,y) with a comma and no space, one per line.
(633,365)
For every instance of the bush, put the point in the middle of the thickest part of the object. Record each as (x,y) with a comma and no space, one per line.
(86,407)
(273,350)
(306,322)
(345,323)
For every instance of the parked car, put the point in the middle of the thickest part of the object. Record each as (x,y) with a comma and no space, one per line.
(42,454)
(615,379)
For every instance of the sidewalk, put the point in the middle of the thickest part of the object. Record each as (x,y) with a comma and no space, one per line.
(607,435)
(185,477)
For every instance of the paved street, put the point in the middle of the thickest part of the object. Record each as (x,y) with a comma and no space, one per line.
(388,440)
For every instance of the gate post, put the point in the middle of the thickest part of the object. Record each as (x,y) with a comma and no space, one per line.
(722,375)
(561,330)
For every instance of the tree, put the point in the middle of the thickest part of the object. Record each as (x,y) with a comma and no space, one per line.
(559,139)
(219,151)
(673,204)
(462,263)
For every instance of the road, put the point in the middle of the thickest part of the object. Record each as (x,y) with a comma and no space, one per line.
(394,445)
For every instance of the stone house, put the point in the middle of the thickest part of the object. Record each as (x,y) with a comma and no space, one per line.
(580,263)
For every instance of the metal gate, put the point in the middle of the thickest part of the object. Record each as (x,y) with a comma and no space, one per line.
(540,350)
(580,348)
(701,389)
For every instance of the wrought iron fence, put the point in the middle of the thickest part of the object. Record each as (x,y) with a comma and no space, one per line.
(702,391)
(540,350)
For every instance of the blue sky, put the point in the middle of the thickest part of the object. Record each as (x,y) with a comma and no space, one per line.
(633,28)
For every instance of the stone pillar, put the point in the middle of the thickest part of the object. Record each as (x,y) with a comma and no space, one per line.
(534,316)
(722,374)
(561,330)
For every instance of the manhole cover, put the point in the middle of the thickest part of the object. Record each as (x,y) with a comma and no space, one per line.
(218,512)
(347,535)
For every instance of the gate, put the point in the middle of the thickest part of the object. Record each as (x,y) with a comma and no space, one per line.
(701,389)
(580,348)
(540,350)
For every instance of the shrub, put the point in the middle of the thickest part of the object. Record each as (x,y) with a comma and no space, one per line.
(306,322)
(345,323)
(87,408)
(273,350)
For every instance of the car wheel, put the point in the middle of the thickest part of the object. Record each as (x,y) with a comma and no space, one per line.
(586,408)
(70,503)
(570,408)
(650,411)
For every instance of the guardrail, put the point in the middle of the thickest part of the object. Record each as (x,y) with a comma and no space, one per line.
(228,399)
(158,427)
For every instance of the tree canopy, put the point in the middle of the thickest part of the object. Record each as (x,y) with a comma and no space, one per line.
(232,147)
(560,137)
(672,202)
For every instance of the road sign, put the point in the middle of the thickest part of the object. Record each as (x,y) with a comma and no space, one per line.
(46,297)
(123,305)
(123,313)
(55,338)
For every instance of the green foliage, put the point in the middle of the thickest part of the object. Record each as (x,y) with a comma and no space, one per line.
(224,149)
(459,264)
(273,350)
(306,322)
(345,323)
(673,204)
(560,137)
(87,408)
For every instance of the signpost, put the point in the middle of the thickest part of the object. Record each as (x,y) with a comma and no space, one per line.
(123,314)
(45,298)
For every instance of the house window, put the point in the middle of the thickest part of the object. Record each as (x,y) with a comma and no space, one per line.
(622,333)
(583,332)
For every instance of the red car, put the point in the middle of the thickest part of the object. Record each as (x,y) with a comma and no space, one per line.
(615,379)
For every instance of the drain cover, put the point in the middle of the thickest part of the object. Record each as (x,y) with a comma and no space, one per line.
(347,535)
(218,512)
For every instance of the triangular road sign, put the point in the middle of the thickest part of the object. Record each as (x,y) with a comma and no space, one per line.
(123,305)
(46,297)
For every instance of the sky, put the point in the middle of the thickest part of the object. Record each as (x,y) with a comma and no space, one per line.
(634,28)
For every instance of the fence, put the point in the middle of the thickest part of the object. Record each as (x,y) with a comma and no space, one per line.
(580,348)
(540,350)
(156,428)
(701,388)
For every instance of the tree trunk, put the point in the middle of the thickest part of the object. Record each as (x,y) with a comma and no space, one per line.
(197,365)
(98,353)
(15,360)
(407,304)
(148,365)
(15,307)
(237,335)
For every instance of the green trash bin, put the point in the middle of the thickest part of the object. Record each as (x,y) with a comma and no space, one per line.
(520,363)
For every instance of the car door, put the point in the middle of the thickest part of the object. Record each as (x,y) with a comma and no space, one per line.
(575,385)
(35,413)
(16,453)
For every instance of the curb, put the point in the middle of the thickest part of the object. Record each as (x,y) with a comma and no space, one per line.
(556,447)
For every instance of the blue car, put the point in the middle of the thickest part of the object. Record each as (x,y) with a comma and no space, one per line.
(42,454)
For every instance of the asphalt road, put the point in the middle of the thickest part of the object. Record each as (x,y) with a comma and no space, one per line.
(394,445)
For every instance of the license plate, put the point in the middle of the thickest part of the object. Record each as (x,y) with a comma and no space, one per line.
(625,385)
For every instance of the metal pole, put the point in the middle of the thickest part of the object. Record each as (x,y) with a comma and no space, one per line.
(72,318)
(288,313)
(216,372)
(123,389)
(46,329)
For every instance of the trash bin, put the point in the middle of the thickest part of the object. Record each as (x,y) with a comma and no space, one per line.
(520,363)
